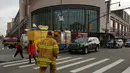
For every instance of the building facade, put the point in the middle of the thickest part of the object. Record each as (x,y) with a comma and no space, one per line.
(120,24)
(76,14)
(9,27)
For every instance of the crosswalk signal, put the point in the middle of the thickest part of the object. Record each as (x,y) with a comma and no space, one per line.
(90,26)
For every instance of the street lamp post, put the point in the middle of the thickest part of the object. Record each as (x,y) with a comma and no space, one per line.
(108,4)
(107,16)
(61,14)
(116,3)
(108,13)
(88,26)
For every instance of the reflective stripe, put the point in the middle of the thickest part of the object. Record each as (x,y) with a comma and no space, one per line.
(41,65)
(46,47)
(56,46)
(54,62)
(44,59)
(43,62)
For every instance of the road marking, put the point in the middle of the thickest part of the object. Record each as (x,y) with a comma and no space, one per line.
(69,60)
(16,64)
(109,66)
(63,58)
(56,63)
(127,70)
(13,62)
(36,67)
(2,48)
(23,61)
(56,60)
(76,63)
(88,66)
(26,65)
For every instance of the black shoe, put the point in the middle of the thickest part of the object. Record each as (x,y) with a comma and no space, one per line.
(23,58)
(29,62)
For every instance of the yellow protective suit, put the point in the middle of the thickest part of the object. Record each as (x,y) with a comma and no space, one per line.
(48,52)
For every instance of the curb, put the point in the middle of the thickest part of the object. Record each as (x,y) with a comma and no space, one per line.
(63,51)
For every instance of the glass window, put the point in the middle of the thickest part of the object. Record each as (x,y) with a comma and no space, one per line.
(92,15)
(76,19)
(123,28)
(111,25)
(116,25)
(120,27)
(126,29)
(65,17)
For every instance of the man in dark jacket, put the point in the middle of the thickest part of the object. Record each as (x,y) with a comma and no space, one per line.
(19,49)
(114,43)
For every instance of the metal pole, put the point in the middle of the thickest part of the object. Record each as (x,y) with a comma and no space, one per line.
(107,21)
(61,15)
(88,24)
(107,17)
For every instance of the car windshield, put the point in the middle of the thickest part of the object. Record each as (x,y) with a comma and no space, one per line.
(81,40)
(117,40)
(111,41)
(128,40)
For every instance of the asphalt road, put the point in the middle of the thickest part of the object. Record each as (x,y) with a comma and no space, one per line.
(104,61)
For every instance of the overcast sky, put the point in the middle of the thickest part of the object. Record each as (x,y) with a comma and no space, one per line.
(9,9)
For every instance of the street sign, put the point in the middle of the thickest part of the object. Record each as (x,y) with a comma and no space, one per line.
(90,26)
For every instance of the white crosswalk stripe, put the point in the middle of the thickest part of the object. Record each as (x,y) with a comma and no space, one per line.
(76,63)
(57,63)
(127,70)
(13,62)
(16,64)
(68,62)
(63,62)
(109,66)
(26,65)
(27,60)
(63,58)
(88,66)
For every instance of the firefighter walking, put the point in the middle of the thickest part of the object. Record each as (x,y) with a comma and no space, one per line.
(48,52)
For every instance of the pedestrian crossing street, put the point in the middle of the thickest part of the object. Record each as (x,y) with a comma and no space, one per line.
(69,62)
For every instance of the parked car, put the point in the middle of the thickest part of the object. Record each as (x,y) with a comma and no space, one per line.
(118,43)
(127,44)
(84,45)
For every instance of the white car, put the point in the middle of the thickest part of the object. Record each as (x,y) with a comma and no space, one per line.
(119,43)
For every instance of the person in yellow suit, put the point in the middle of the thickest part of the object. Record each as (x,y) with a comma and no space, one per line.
(48,52)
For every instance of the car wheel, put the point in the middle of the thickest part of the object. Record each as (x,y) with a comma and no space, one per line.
(97,49)
(117,46)
(121,46)
(85,51)
(70,51)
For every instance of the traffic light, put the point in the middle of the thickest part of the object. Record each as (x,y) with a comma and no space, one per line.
(90,26)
